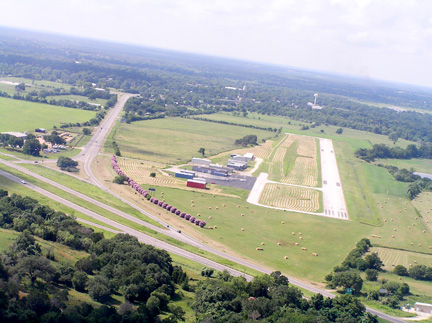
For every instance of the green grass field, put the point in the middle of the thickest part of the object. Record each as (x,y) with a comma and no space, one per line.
(161,139)
(37,83)
(419,164)
(26,116)
(77,98)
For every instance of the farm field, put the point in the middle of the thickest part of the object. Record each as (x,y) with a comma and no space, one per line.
(419,164)
(37,83)
(291,197)
(157,140)
(393,257)
(423,204)
(77,98)
(37,115)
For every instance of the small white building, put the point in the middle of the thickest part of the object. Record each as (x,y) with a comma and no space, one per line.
(201,161)
(249,156)
(423,308)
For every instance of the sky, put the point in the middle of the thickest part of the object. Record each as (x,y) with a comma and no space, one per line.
(373,39)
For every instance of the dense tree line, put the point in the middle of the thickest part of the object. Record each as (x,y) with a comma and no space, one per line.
(384,151)
(418,272)
(246,141)
(143,274)
(270,298)
(238,124)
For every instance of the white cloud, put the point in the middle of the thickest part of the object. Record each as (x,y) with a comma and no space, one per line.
(388,39)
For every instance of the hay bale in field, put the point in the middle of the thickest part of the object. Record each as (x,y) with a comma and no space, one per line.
(259,249)
(385,220)
(286,257)
(296,244)
(424,231)
(415,261)
(253,211)
(214,195)
(215,227)
(400,278)
(303,248)
(300,233)
(382,206)
(412,244)
(223,204)
(405,208)
(192,201)
(410,265)
(416,218)
(301,238)
(209,207)
(247,207)
(413,224)
(409,228)
(279,244)
(293,233)
(282,222)
(198,214)
(242,214)
(216,208)
(392,220)
(393,265)
(393,236)
(262,243)
(314,254)
(394,229)
(406,202)
(242,229)
(420,245)
(210,217)
(430,247)
(238,205)
(192,205)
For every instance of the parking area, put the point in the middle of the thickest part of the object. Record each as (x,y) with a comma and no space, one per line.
(234,180)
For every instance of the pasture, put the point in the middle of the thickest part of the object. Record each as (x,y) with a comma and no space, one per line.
(278,230)
(26,116)
(420,165)
(77,98)
(393,257)
(175,140)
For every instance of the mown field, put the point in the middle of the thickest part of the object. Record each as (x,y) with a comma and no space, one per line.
(418,164)
(77,98)
(26,116)
(373,198)
(175,140)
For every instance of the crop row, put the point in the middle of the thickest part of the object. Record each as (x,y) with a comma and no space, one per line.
(304,172)
(289,197)
(141,172)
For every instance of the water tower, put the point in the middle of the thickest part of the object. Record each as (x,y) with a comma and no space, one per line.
(316,96)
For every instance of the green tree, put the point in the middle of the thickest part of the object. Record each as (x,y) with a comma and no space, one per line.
(202,151)
(394,137)
(347,279)
(35,267)
(120,179)
(79,281)
(86,131)
(32,147)
(400,270)
(339,131)
(66,163)
(98,288)
(374,261)
(371,275)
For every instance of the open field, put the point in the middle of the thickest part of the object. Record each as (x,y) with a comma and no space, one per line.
(159,140)
(420,165)
(37,83)
(26,116)
(290,197)
(77,98)
(423,204)
(393,257)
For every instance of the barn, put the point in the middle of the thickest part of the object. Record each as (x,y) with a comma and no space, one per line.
(197,183)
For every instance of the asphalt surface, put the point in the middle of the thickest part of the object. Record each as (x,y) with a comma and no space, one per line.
(87,156)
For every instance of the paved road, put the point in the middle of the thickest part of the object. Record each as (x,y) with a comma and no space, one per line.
(91,150)
(125,229)
(333,196)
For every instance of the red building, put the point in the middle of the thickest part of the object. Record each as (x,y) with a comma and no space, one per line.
(196,183)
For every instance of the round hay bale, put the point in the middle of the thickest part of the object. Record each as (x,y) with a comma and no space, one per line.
(242,214)
(424,231)
(242,229)
(300,233)
(293,233)
(282,222)
(301,238)
(209,207)
(215,227)
(214,195)
(411,244)
(286,257)
(394,229)
(198,214)
(385,220)
(400,278)
(393,236)
(409,228)
(192,201)
(247,207)
(216,208)
(192,205)
(296,244)
(279,244)
(420,245)
(262,243)
(210,217)
(392,220)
